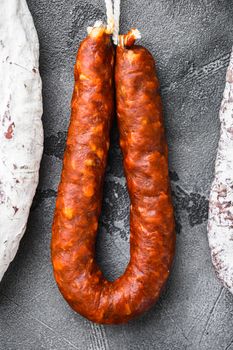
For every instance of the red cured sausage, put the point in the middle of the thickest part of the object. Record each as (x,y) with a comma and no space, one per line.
(78,205)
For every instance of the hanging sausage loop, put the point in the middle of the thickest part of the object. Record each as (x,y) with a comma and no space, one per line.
(124,81)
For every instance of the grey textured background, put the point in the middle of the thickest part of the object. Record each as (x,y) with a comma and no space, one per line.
(191,40)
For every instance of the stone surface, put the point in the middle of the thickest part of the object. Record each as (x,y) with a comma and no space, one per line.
(191,41)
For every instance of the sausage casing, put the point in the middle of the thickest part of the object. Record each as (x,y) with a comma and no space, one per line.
(78,204)
(145,154)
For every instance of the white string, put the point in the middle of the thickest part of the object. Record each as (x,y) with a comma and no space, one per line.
(113,19)
(117,5)
(109,12)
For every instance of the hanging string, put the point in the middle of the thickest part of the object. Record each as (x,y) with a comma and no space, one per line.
(117,5)
(113,22)
(110,17)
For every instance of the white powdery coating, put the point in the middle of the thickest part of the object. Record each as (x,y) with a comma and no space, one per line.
(21,133)
(220,223)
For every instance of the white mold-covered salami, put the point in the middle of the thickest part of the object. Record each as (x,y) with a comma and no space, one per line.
(220,224)
(21,133)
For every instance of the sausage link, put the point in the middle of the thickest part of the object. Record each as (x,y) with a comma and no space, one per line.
(145,154)
(79,196)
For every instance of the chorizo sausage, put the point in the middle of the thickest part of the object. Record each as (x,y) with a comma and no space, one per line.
(79,196)
(145,154)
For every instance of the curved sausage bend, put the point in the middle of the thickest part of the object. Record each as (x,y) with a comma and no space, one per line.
(79,197)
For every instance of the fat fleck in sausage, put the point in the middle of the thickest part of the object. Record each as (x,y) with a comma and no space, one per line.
(78,204)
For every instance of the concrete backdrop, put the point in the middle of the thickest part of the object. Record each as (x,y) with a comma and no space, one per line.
(191,41)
